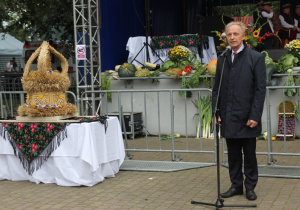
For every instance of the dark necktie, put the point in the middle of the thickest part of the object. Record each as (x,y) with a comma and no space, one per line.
(234,56)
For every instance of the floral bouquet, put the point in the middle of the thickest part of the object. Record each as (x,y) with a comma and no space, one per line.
(179,52)
(252,37)
(293,47)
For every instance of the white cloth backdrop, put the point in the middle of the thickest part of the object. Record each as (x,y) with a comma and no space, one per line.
(85,157)
(135,44)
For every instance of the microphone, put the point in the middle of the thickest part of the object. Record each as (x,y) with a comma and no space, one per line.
(227,49)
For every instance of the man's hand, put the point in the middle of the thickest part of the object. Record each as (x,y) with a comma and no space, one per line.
(219,121)
(252,123)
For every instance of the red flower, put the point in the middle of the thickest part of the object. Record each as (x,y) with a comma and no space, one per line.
(20,146)
(21,124)
(36,147)
(176,42)
(32,130)
(191,41)
(259,39)
(19,128)
(180,73)
(48,130)
(188,69)
(51,126)
(31,125)
(35,125)
(32,150)
(48,125)
(161,44)
(5,125)
(32,145)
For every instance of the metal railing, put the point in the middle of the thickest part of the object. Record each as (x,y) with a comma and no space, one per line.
(285,149)
(163,112)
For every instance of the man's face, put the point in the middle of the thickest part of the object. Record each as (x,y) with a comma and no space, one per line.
(267,8)
(287,10)
(235,36)
(298,11)
(259,7)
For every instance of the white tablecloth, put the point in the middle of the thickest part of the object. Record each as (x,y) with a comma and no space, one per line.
(135,44)
(85,157)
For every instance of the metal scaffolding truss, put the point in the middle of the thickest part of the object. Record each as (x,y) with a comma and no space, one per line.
(87,32)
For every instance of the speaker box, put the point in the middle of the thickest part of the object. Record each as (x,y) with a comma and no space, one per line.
(136,122)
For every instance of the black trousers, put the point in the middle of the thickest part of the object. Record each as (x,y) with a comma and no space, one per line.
(235,160)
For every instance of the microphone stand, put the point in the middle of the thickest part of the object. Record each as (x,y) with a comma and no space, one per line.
(220,202)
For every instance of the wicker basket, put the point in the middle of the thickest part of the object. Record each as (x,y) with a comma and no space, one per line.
(46,89)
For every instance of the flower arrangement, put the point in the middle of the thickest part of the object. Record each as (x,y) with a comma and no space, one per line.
(252,36)
(179,52)
(293,47)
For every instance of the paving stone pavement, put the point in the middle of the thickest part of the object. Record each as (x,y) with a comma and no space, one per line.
(149,190)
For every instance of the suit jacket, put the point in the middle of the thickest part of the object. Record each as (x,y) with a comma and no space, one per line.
(242,93)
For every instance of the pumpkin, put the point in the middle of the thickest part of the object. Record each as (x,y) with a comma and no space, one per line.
(212,66)
(127,70)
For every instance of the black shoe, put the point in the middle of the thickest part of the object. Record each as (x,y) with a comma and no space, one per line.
(232,192)
(250,195)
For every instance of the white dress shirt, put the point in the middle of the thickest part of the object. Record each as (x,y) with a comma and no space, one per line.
(238,51)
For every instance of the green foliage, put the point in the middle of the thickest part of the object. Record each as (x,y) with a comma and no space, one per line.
(194,80)
(290,82)
(204,108)
(168,65)
(156,73)
(287,61)
(106,85)
(183,62)
(239,10)
(184,85)
(41,18)
(268,60)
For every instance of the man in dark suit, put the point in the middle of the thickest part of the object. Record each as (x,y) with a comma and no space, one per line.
(241,101)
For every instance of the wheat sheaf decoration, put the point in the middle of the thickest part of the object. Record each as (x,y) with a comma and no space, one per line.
(46,88)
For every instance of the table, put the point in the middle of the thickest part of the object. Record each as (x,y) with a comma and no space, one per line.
(135,44)
(85,157)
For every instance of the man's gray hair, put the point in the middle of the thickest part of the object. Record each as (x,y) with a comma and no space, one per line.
(242,25)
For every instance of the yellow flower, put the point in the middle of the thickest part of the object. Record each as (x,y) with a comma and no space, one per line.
(27,97)
(223,45)
(246,38)
(41,96)
(60,96)
(256,33)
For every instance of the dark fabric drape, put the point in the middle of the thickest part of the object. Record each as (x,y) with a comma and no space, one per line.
(166,17)
(120,19)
